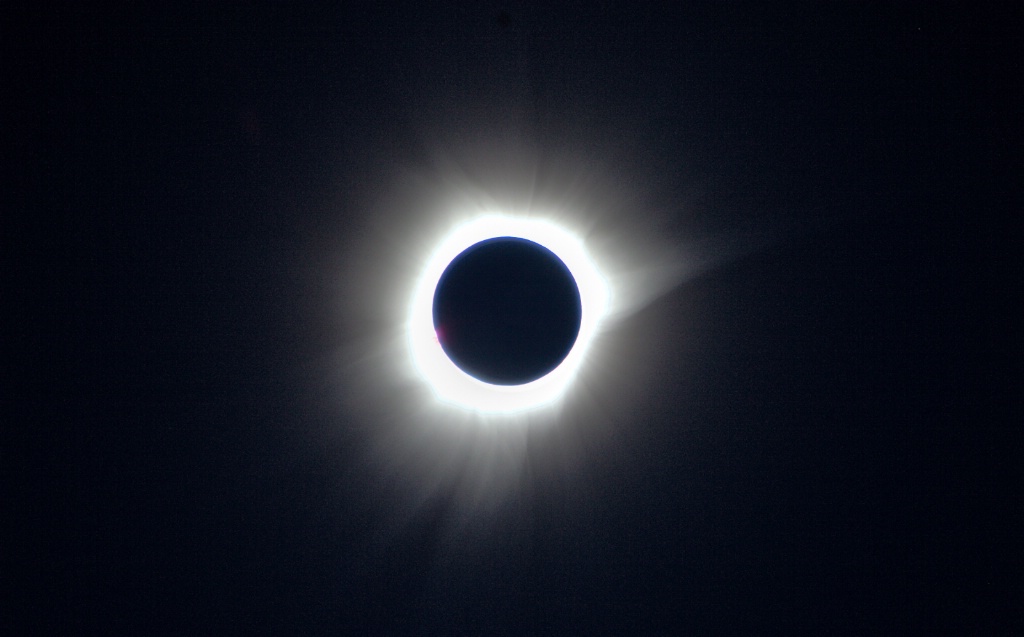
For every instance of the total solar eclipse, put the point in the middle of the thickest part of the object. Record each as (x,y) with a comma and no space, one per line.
(503,314)
(507,311)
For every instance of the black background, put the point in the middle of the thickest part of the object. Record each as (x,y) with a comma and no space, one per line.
(816,452)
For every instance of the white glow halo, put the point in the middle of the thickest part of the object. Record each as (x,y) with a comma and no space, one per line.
(454,386)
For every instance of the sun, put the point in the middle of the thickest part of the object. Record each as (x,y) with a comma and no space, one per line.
(414,420)
(451,385)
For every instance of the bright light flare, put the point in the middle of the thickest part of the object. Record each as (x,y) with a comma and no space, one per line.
(452,385)
(418,425)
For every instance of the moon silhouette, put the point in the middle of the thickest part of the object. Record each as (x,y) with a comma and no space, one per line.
(507,311)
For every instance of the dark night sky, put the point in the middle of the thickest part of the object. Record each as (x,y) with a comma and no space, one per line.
(805,441)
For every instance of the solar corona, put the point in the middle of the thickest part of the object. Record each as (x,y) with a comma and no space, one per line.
(504,313)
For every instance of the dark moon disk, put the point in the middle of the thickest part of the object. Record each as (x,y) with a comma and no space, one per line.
(507,311)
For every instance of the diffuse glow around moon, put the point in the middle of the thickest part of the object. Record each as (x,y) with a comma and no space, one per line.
(420,423)
(417,220)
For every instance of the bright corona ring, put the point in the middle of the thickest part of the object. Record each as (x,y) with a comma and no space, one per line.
(452,385)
